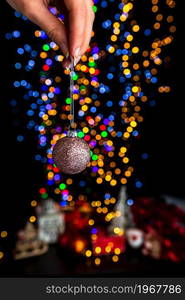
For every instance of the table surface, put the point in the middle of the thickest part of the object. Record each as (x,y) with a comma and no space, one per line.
(58,262)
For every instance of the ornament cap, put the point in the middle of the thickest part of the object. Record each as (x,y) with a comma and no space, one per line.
(72,133)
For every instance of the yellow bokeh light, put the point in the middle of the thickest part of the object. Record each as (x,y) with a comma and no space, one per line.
(115,258)
(98,250)
(108,249)
(99,180)
(4,234)
(117,251)
(97,261)
(32,219)
(135,28)
(33,203)
(135,89)
(116,230)
(88,253)
(125,160)
(91,222)
(108,178)
(135,50)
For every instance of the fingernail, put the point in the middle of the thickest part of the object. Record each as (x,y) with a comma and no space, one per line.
(77,56)
(65,50)
(77,52)
(67,54)
(76,60)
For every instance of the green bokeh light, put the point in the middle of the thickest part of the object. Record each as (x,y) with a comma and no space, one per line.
(44,196)
(94,157)
(46,47)
(62,186)
(80,134)
(68,100)
(94,8)
(104,133)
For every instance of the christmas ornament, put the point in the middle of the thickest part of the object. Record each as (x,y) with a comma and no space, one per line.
(28,244)
(50,222)
(135,237)
(71,154)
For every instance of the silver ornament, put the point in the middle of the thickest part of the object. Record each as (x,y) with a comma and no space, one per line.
(71,154)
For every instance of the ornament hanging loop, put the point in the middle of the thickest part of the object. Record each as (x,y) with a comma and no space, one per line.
(71,94)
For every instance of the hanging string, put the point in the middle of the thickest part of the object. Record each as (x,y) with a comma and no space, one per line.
(71,93)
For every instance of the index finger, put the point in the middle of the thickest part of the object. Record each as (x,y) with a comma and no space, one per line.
(77,20)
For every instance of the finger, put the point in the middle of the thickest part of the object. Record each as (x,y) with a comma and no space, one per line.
(66,63)
(12,4)
(77,20)
(54,28)
(88,30)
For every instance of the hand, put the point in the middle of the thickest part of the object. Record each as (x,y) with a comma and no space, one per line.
(73,38)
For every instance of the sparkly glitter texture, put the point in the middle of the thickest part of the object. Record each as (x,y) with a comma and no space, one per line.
(71,155)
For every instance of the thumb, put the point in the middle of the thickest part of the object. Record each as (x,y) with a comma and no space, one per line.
(55,29)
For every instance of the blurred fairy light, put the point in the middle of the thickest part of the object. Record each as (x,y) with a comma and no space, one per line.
(108,118)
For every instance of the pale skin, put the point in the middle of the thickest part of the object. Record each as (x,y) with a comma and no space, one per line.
(72,36)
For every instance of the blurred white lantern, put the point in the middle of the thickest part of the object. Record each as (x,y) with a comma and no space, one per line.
(50,221)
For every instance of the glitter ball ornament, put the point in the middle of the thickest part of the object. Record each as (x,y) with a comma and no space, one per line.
(71,154)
